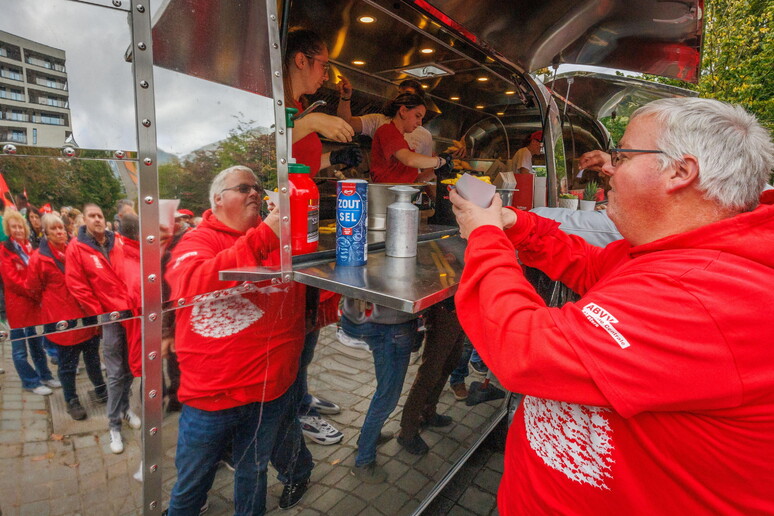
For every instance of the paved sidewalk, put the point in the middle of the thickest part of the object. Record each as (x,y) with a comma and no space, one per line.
(49,473)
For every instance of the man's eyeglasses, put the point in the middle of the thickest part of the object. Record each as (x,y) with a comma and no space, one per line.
(325,64)
(245,189)
(616,158)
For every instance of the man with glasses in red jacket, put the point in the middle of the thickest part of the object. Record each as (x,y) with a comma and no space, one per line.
(238,351)
(654,393)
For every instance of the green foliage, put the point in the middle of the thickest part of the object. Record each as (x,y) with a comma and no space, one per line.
(189,180)
(63,182)
(590,192)
(615,127)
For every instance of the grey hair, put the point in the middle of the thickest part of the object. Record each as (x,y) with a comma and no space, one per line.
(735,152)
(48,220)
(219,183)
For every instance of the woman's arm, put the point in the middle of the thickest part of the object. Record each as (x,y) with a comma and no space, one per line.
(412,159)
(331,127)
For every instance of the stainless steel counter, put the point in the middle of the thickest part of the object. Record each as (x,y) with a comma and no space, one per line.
(407,284)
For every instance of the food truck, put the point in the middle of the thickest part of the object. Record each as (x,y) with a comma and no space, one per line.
(147,100)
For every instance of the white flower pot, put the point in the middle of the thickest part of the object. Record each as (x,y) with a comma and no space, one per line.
(588,205)
(570,204)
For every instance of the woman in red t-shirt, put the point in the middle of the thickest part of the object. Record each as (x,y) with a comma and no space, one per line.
(392,160)
(306,70)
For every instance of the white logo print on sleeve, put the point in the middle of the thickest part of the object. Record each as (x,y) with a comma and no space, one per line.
(222,315)
(573,439)
(601,317)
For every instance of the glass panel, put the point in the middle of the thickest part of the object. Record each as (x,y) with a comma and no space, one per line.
(63,77)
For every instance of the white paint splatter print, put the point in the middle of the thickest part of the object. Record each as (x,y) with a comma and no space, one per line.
(573,439)
(221,314)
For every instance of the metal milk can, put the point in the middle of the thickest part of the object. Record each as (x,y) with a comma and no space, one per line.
(402,224)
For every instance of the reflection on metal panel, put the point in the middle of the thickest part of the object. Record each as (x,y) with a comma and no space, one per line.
(648,36)
(223,42)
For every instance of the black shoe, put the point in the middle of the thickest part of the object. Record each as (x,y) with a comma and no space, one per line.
(479,367)
(415,446)
(438,421)
(292,494)
(75,409)
(97,397)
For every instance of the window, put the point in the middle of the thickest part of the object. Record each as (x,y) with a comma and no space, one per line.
(34,136)
(11,93)
(10,73)
(3,52)
(18,135)
(48,118)
(18,115)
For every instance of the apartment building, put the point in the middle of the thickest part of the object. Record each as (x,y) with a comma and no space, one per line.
(34,97)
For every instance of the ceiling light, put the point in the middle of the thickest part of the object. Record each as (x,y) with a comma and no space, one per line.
(358,62)
(366,19)
(479,107)
(483,79)
(425,71)
(425,86)
(427,50)
(454,98)
(500,113)
(510,92)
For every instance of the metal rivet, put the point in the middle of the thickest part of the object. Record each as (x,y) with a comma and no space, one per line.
(140,8)
(151,239)
(9,149)
(144,84)
(283,160)
(279,102)
(68,151)
(151,278)
(153,468)
(153,394)
(114,315)
(286,248)
(152,355)
(153,504)
(273,18)
(119,154)
(153,431)
(153,316)
(282,131)
(141,45)
(181,301)
(117,3)
(276,74)
(146,122)
(284,189)
(3,335)
(61,325)
(149,200)
(148,161)
(274,45)
(285,219)
(287,277)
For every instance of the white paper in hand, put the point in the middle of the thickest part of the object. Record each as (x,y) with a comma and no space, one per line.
(475,190)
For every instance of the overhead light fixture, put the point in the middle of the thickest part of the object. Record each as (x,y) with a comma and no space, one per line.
(427,50)
(366,19)
(425,86)
(454,98)
(500,113)
(358,62)
(510,92)
(479,107)
(425,71)
(482,79)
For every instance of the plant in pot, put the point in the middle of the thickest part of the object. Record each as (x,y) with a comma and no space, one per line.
(568,201)
(588,203)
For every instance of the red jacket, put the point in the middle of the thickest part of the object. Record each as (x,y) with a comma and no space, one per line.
(240,346)
(131,276)
(46,283)
(97,284)
(22,309)
(663,368)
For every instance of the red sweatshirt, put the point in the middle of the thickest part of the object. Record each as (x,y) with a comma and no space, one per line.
(234,347)
(663,368)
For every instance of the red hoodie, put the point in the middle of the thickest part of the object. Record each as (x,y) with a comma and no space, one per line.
(21,307)
(46,282)
(239,346)
(664,367)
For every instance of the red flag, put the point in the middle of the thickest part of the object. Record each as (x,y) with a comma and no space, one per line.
(46,208)
(5,193)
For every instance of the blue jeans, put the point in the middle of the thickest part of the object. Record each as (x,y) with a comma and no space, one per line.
(254,428)
(310,342)
(68,366)
(21,338)
(391,346)
(461,372)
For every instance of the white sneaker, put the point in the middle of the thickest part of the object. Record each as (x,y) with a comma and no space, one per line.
(132,419)
(116,442)
(54,384)
(42,390)
(138,474)
(323,406)
(319,430)
(351,342)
